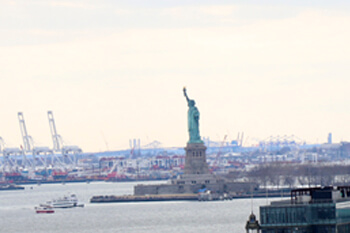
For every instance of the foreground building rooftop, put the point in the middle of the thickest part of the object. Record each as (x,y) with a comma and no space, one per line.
(317,210)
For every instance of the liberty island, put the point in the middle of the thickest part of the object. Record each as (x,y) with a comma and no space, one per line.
(196,173)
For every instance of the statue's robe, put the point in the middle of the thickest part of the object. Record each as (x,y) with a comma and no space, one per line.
(193,124)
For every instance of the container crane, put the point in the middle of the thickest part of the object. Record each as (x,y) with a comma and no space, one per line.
(29,144)
(58,145)
(56,138)
(27,140)
(11,164)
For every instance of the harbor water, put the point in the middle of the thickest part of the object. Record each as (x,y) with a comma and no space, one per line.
(17,212)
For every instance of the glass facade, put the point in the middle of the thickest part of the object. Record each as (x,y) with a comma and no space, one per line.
(304,218)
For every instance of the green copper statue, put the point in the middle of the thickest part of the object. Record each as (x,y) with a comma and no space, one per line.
(193,120)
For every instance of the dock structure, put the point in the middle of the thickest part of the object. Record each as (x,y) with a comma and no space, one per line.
(319,209)
(144,198)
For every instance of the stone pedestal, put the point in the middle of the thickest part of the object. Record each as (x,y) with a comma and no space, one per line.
(196,176)
(196,160)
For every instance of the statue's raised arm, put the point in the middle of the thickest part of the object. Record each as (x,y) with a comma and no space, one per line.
(185,94)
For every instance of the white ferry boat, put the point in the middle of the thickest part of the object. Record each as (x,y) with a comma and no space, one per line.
(69,201)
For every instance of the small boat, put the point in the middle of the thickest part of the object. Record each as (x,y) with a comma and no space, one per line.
(44,210)
(69,201)
(5,186)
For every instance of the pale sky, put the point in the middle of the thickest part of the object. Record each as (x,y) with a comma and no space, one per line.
(114,70)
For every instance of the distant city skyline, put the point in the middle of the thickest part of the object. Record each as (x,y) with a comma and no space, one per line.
(111,71)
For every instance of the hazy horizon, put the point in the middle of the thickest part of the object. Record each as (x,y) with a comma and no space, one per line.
(111,71)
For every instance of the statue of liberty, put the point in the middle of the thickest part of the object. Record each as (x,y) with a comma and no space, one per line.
(193,120)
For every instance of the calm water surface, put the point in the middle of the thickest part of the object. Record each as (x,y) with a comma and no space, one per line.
(17,212)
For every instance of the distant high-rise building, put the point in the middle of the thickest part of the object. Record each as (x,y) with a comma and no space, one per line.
(329,141)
